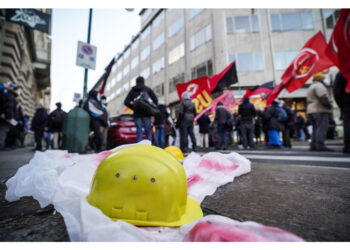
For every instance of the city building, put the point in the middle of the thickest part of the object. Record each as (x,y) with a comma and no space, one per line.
(177,45)
(25,58)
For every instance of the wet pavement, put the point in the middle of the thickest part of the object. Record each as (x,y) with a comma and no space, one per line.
(310,201)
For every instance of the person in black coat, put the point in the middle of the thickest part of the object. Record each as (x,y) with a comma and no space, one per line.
(39,125)
(56,125)
(247,112)
(299,127)
(187,113)
(204,122)
(159,123)
(342,99)
(141,119)
(94,107)
(288,125)
(274,126)
(222,116)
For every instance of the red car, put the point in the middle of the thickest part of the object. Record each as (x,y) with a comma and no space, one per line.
(122,130)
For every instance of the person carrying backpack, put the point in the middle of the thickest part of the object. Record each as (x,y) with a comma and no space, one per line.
(56,125)
(247,112)
(222,116)
(142,100)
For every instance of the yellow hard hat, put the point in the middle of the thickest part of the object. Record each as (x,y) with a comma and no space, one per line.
(318,76)
(175,151)
(145,186)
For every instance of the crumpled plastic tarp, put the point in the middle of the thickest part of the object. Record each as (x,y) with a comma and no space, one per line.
(63,179)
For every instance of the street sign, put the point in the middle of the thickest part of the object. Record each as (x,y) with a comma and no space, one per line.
(76,97)
(86,55)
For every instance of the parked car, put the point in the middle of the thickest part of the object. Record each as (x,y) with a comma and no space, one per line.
(122,130)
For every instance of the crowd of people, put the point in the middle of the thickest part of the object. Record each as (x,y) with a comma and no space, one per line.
(274,126)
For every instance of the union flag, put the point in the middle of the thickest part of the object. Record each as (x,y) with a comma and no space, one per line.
(310,60)
(265,88)
(275,92)
(338,49)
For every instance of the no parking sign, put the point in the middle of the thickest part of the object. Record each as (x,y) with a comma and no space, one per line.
(86,55)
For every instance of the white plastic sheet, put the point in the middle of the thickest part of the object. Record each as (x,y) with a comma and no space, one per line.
(62,179)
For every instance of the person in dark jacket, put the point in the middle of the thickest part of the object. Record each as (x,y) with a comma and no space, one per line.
(299,127)
(274,126)
(247,112)
(93,106)
(8,105)
(16,134)
(141,120)
(204,122)
(258,126)
(342,99)
(287,124)
(39,125)
(104,122)
(221,117)
(159,121)
(56,125)
(187,113)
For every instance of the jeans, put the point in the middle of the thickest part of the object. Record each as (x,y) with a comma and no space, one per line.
(221,136)
(4,129)
(146,123)
(159,140)
(300,134)
(319,123)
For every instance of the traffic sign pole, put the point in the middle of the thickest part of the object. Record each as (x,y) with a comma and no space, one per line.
(86,70)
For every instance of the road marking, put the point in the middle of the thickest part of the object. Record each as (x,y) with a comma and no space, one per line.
(299,158)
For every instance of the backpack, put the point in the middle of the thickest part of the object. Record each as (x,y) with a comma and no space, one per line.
(143,104)
(282,114)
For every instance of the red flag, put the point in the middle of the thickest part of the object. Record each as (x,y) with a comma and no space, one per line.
(225,78)
(310,60)
(259,89)
(194,87)
(275,92)
(338,49)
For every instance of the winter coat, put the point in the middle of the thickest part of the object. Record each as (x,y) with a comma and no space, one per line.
(94,108)
(318,99)
(204,122)
(222,115)
(341,97)
(271,116)
(56,120)
(247,111)
(8,104)
(187,113)
(135,92)
(40,120)
(162,116)
(299,122)
(289,122)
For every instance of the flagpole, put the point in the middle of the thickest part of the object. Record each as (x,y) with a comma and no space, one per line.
(86,70)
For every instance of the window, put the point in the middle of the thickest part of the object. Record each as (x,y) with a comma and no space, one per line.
(200,37)
(145,53)
(145,33)
(119,62)
(125,87)
(176,26)
(146,15)
(229,25)
(292,21)
(180,78)
(135,44)
(114,67)
(118,91)
(255,24)
(133,82)
(330,18)
(158,65)
(145,73)
(176,53)
(127,53)
(126,70)
(242,24)
(192,13)
(159,90)
(231,58)
(158,41)
(203,69)
(113,82)
(158,19)
(119,76)
(249,62)
(134,62)
(283,59)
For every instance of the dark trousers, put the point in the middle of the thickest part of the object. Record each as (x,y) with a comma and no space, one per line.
(247,133)
(346,126)
(286,138)
(222,136)
(319,123)
(38,136)
(95,126)
(186,130)
(4,129)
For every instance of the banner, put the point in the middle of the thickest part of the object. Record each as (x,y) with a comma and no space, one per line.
(338,49)
(31,18)
(224,79)
(310,60)
(265,88)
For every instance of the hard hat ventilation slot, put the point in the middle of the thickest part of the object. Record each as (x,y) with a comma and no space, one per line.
(117,175)
(153,180)
(134,177)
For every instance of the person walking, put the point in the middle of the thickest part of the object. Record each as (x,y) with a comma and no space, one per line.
(204,122)
(8,105)
(222,116)
(159,121)
(342,99)
(247,112)
(142,119)
(288,124)
(319,107)
(272,115)
(104,122)
(93,106)
(39,125)
(56,125)
(299,127)
(187,113)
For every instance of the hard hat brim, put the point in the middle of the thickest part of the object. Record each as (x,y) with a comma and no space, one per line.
(193,212)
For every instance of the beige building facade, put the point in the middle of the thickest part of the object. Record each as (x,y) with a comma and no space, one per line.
(177,45)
